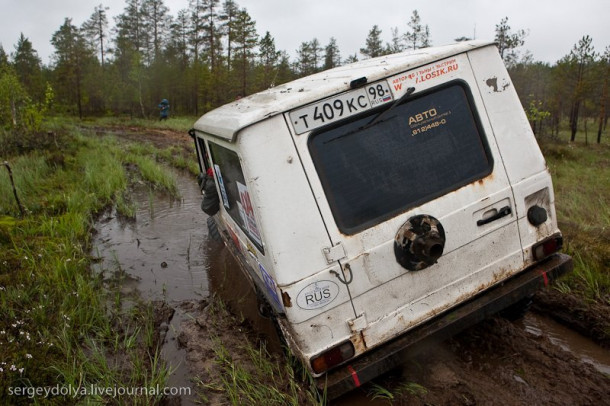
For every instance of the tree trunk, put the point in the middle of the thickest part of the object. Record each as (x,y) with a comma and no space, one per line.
(574,120)
(602,111)
(14,113)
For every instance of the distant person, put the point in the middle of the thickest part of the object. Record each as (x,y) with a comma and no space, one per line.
(163,110)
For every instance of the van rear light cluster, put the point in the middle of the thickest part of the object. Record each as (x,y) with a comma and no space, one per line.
(547,247)
(332,357)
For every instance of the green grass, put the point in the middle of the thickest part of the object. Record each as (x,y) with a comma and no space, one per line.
(56,324)
(255,377)
(581,177)
(176,123)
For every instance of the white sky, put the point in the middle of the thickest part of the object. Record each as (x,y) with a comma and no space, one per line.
(554,25)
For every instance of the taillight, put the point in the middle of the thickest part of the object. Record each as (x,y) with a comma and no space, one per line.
(332,357)
(547,247)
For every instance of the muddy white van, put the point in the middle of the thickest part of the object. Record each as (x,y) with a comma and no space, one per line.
(383,203)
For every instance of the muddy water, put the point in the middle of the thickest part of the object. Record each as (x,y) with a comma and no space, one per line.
(161,250)
(159,257)
(569,340)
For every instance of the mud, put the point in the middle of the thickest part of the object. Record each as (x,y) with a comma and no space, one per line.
(499,362)
(158,137)
(496,362)
(589,319)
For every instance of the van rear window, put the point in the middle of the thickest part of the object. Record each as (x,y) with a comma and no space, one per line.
(419,150)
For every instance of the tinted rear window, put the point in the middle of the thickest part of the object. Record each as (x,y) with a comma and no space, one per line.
(420,150)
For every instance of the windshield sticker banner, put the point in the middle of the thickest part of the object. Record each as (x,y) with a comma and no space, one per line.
(424,74)
(248,213)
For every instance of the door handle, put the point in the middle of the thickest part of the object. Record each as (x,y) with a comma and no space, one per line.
(503,212)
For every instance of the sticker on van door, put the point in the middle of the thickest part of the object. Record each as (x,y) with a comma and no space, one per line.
(270,284)
(247,213)
(424,74)
(317,294)
(221,185)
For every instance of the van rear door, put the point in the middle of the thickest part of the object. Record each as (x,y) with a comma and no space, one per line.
(392,174)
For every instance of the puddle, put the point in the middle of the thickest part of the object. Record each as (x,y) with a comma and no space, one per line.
(166,255)
(161,250)
(160,257)
(569,340)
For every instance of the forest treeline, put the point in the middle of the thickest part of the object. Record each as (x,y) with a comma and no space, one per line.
(212,53)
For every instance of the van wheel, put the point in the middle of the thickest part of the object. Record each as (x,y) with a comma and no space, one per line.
(517,310)
(213,232)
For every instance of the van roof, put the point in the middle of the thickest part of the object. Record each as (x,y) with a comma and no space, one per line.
(226,121)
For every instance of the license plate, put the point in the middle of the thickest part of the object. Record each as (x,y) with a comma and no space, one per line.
(340,107)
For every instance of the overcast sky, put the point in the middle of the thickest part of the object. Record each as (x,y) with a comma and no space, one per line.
(554,26)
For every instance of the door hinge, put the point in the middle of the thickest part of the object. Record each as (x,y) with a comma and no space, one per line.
(333,254)
(357,324)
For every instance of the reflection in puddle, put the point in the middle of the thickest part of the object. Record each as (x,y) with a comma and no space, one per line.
(162,248)
(569,340)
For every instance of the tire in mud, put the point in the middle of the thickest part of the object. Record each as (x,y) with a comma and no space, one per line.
(213,232)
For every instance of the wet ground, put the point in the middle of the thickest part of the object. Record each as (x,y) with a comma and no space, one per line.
(165,255)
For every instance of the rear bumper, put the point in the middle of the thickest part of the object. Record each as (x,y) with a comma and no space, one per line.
(392,354)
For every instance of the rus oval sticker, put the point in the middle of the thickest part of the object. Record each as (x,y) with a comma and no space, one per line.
(317,294)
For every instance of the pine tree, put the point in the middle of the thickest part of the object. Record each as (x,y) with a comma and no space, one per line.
(397,43)
(332,56)
(316,51)
(205,19)
(508,42)
(603,101)
(4,62)
(580,61)
(374,45)
(268,56)
(419,36)
(155,22)
(27,65)
(130,47)
(230,10)
(72,55)
(130,26)
(351,59)
(95,30)
(246,40)
(304,64)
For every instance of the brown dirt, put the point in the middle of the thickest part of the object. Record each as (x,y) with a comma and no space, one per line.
(498,363)
(159,138)
(589,319)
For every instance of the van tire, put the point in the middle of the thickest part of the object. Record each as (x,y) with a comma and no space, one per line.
(517,310)
(213,232)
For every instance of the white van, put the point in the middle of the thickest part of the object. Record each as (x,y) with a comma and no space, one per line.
(383,202)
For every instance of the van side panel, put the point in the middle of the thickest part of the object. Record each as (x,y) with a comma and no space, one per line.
(290,222)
